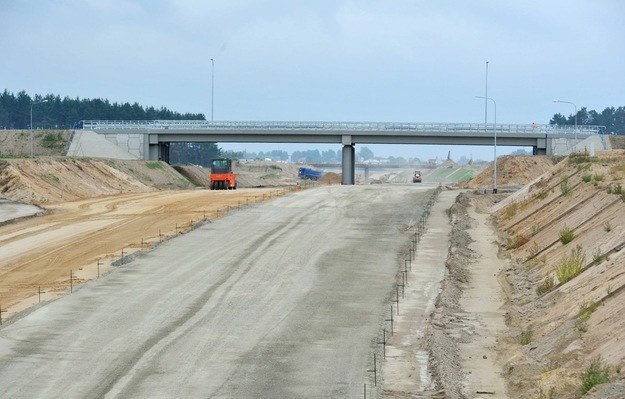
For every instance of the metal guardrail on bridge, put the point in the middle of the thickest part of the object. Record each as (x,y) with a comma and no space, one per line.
(190,125)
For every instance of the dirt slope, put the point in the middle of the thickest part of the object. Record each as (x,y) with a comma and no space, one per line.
(53,180)
(16,143)
(558,327)
(513,170)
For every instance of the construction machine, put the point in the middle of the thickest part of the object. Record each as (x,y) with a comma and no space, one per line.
(417,177)
(222,177)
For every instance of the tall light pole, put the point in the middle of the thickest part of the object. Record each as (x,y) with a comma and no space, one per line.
(31,123)
(485,99)
(568,102)
(495,150)
(212,86)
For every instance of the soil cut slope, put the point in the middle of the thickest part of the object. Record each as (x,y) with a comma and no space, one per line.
(566,234)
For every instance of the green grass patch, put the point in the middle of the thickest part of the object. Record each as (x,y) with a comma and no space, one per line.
(51,178)
(598,177)
(597,373)
(154,165)
(53,140)
(526,336)
(570,266)
(564,186)
(566,235)
(597,256)
(582,157)
(586,310)
(542,195)
(586,178)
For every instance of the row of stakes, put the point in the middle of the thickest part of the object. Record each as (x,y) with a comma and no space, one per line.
(222,212)
(419,231)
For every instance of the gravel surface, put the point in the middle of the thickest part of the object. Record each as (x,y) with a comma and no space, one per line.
(281,300)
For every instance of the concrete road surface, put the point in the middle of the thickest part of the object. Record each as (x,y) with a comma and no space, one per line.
(279,300)
(12,210)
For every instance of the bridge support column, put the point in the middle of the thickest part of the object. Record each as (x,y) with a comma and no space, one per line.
(348,165)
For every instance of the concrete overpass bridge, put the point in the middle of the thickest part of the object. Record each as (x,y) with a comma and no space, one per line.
(150,139)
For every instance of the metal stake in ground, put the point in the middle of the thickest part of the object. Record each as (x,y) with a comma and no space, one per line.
(1,311)
(383,343)
(40,292)
(391,320)
(397,300)
(99,268)
(374,371)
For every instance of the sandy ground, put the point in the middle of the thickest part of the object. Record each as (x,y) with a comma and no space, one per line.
(483,302)
(40,253)
(283,299)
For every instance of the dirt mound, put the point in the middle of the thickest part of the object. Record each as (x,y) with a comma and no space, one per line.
(195,174)
(51,180)
(330,178)
(266,174)
(513,170)
(565,235)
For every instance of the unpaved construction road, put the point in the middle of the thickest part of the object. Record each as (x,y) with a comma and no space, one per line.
(41,253)
(279,300)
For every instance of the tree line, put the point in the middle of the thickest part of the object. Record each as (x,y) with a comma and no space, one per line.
(65,113)
(612,118)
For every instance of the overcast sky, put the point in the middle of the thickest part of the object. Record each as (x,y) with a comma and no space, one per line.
(337,60)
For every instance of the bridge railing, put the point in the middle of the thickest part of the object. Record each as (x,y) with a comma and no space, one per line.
(339,126)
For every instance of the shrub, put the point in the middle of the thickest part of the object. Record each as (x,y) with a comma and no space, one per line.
(570,266)
(542,195)
(526,336)
(607,227)
(586,310)
(564,186)
(545,286)
(598,177)
(586,178)
(597,256)
(597,373)
(608,189)
(51,140)
(517,241)
(618,189)
(566,235)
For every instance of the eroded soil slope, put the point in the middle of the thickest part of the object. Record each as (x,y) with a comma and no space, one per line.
(566,234)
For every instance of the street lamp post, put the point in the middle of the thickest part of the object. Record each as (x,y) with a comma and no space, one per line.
(212,86)
(568,102)
(495,148)
(31,123)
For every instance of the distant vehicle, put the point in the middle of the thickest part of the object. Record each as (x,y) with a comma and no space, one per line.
(417,177)
(222,177)
(309,174)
